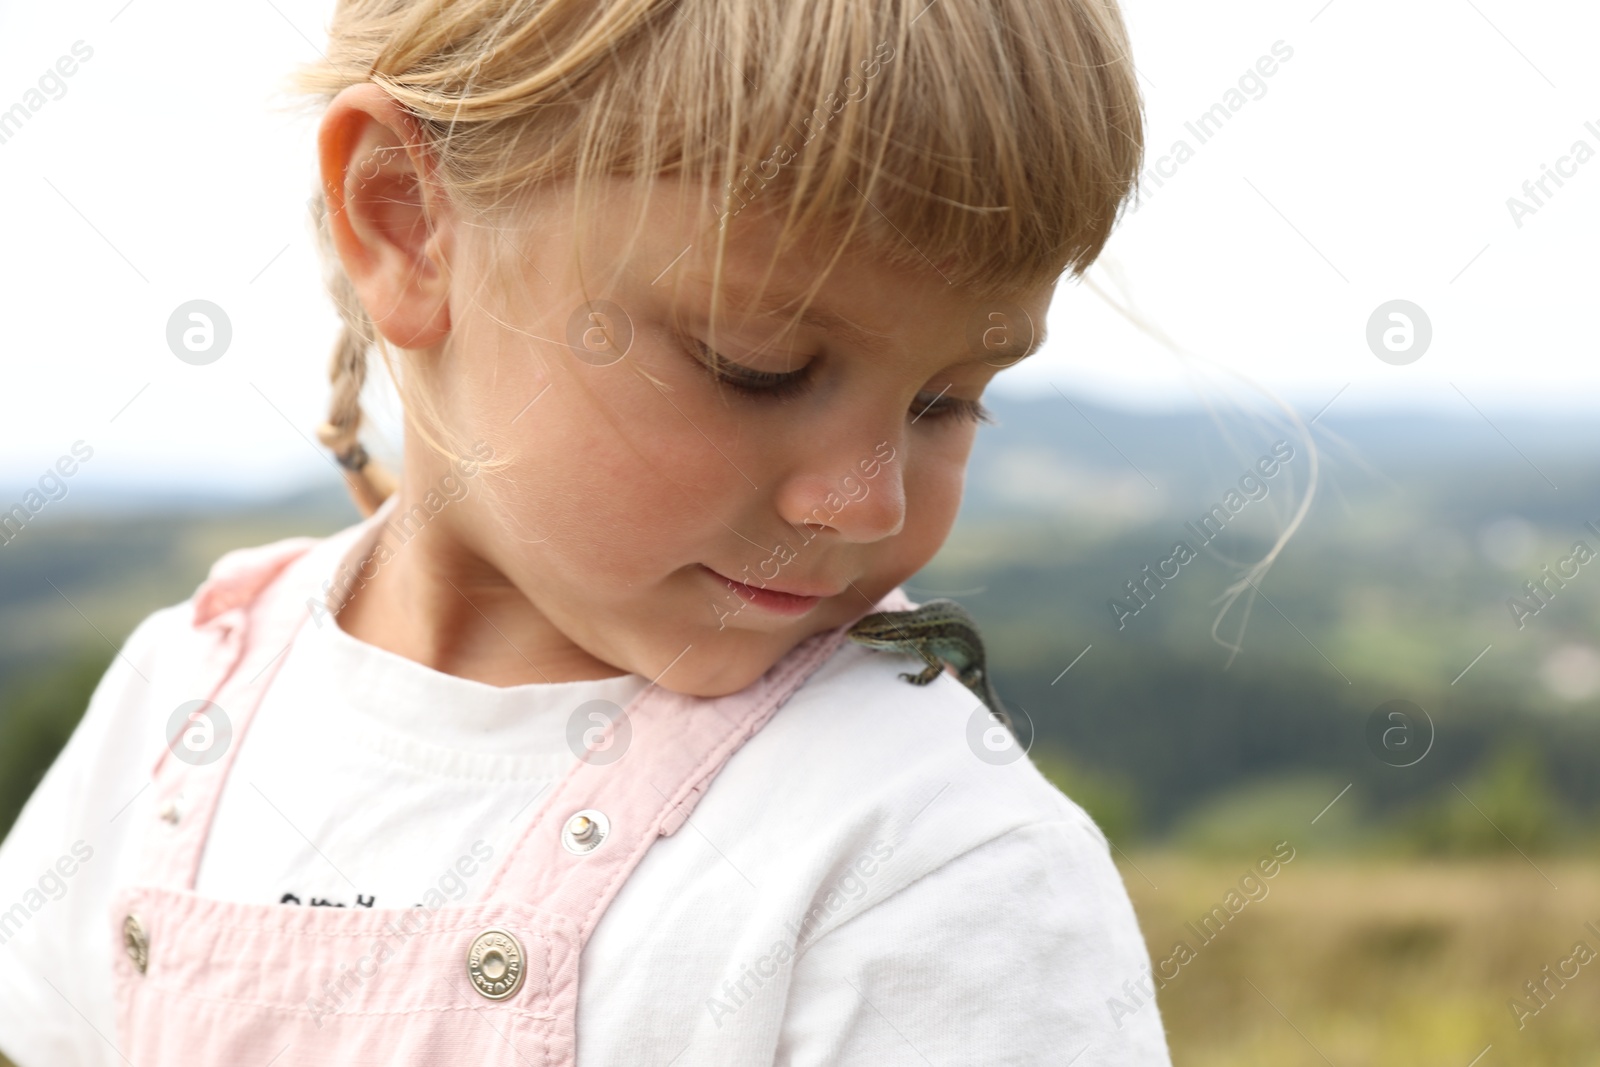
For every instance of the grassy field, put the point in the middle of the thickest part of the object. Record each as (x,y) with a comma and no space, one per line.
(1357,963)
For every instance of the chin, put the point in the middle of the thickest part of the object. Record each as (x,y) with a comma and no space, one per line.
(715,680)
(720,667)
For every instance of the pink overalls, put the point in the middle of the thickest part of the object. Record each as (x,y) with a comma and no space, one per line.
(204,981)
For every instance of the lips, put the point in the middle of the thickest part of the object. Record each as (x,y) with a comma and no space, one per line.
(787,601)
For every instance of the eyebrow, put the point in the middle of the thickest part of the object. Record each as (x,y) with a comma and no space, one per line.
(818,318)
(836,325)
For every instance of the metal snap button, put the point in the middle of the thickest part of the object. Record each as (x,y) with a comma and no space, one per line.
(136,941)
(584,832)
(495,963)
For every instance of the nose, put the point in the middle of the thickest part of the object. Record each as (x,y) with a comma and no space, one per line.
(854,486)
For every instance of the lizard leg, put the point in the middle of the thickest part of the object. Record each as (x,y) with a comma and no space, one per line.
(928,673)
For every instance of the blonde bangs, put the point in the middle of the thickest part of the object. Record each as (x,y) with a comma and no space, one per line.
(994,140)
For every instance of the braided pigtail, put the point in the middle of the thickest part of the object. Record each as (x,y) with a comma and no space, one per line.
(369,483)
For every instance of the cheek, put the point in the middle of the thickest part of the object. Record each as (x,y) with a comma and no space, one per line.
(935,479)
(606,509)
(939,459)
(937,494)
(606,480)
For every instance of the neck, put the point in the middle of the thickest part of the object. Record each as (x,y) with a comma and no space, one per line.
(433,601)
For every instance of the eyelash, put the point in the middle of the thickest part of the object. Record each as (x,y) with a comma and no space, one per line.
(782,387)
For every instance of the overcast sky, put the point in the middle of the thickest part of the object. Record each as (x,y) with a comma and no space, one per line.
(1374,164)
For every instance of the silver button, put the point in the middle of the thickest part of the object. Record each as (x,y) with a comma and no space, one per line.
(136,941)
(584,832)
(495,963)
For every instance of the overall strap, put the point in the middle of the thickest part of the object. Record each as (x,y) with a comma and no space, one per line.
(675,745)
(246,614)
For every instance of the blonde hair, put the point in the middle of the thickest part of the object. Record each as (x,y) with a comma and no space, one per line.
(997,140)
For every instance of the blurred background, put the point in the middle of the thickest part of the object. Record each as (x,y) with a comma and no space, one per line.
(1408,699)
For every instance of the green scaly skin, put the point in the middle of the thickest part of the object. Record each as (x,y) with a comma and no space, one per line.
(938,631)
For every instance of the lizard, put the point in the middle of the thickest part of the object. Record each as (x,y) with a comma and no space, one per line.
(936,631)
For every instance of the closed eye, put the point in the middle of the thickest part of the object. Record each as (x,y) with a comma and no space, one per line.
(772,385)
(955,408)
(780,386)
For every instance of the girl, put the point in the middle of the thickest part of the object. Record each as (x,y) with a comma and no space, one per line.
(563,755)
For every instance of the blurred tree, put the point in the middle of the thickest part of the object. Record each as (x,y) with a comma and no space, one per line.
(1509,803)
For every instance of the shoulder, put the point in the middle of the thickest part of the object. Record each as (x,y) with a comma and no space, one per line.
(860,762)
(240,575)
(158,666)
(857,717)
(163,659)
(1022,950)
(71,842)
(952,887)
(79,833)
(166,661)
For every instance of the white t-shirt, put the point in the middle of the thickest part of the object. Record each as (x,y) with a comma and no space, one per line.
(969,912)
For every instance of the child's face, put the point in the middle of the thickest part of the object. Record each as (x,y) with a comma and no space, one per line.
(633,484)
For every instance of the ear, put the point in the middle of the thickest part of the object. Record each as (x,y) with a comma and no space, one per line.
(391,225)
